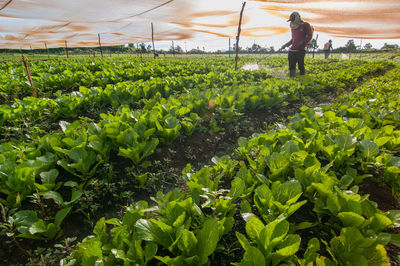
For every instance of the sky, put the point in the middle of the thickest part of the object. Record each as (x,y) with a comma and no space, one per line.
(190,24)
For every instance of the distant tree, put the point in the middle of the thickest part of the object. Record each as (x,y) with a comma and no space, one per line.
(255,48)
(176,50)
(179,49)
(387,46)
(271,49)
(142,47)
(130,45)
(196,51)
(368,46)
(234,47)
(350,46)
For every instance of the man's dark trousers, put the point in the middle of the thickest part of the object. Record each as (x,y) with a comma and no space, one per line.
(296,57)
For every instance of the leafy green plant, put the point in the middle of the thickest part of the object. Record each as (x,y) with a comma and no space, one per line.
(272,243)
(279,201)
(352,248)
(29,225)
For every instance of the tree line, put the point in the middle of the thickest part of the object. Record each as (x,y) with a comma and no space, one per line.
(139,48)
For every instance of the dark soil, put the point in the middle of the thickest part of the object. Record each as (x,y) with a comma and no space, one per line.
(381,193)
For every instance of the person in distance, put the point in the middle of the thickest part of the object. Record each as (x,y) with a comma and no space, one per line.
(327,48)
(301,36)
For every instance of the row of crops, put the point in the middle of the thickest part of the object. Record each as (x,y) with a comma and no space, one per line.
(281,185)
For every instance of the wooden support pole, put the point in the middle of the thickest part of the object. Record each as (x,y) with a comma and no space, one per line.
(173,48)
(33,55)
(140,50)
(101,51)
(66,48)
(360,47)
(238,35)
(47,50)
(28,71)
(313,49)
(152,39)
(229,48)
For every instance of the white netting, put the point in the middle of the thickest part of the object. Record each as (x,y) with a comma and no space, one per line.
(25,23)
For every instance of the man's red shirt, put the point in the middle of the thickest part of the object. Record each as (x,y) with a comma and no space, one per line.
(301,36)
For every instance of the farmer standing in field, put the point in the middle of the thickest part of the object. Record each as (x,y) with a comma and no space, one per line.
(327,48)
(301,35)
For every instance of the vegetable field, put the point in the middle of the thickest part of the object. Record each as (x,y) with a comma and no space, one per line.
(130,161)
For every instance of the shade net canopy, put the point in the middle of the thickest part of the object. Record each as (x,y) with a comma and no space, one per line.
(36,23)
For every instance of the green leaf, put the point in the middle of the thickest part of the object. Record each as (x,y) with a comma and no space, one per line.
(113,221)
(208,238)
(357,259)
(272,234)
(150,251)
(351,238)
(75,196)
(49,177)
(380,222)
(351,219)
(295,207)
(245,207)
(100,230)
(254,227)
(394,216)
(54,196)
(92,252)
(237,188)
(153,230)
(23,220)
(286,191)
(322,189)
(70,184)
(119,254)
(38,227)
(346,181)
(167,260)
(345,141)
(149,148)
(378,257)
(243,241)
(395,239)
(289,246)
(253,257)
(262,178)
(142,179)
(60,216)
(368,149)
(311,253)
(187,243)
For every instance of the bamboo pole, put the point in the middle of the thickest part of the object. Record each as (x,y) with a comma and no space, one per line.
(152,39)
(313,50)
(238,35)
(28,71)
(47,50)
(101,51)
(33,55)
(66,48)
(229,48)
